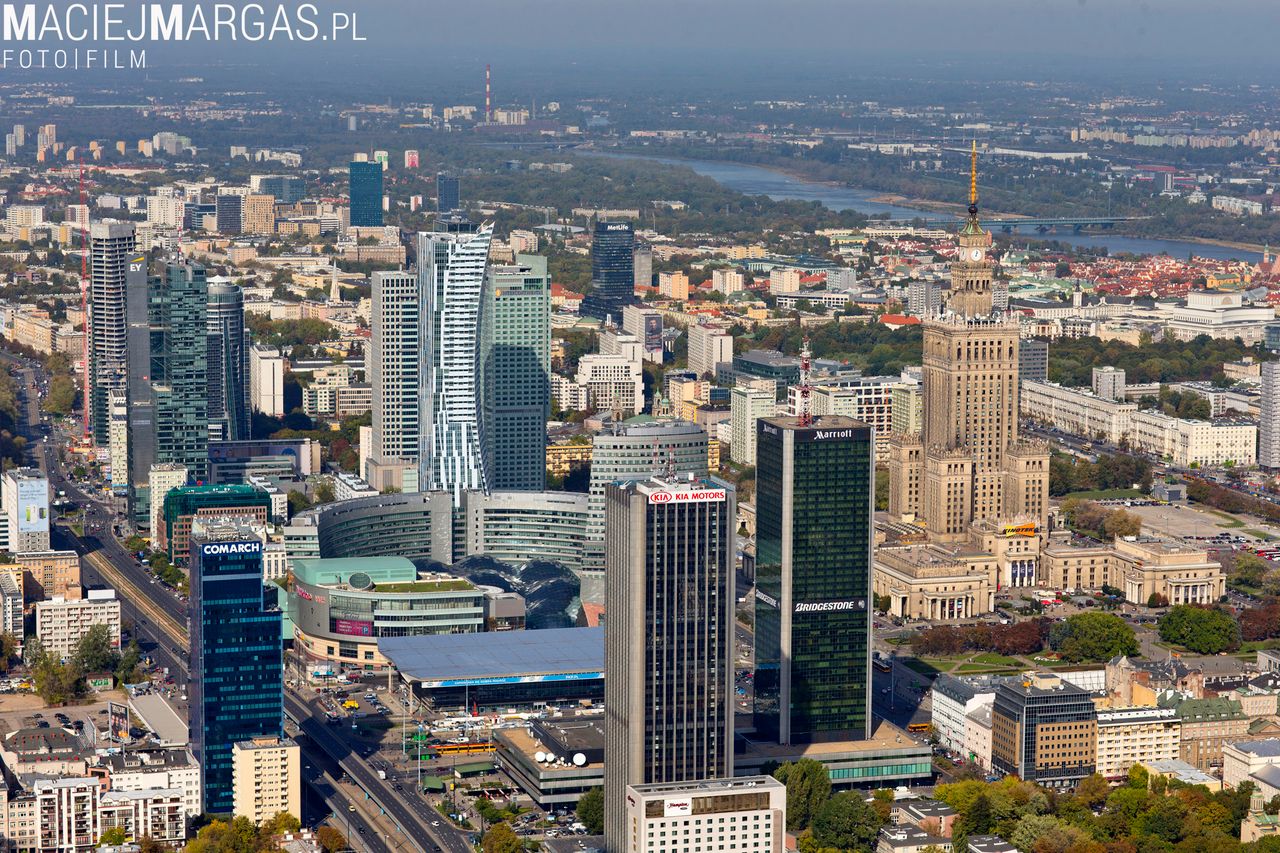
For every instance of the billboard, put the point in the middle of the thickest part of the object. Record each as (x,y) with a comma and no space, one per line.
(33,506)
(686,497)
(118,722)
(223,549)
(353,627)
(513,679)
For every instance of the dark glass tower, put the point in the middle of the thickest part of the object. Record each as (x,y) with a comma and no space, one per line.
(366,194)
(179,367)
(237,686)
(230,214)
(447,198)
(815,490)
(612,271)
(669,646)
(228,368)
(140,390)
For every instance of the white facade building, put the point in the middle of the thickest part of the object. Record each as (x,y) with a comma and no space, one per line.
(709,347)
(1269,418)
(157,769)
(868,399)
(60,624)
(1077,410)
(164,477)
(1219,315)
(746,406)
(1185,442)
(393,366)
(1108,383)
(266,380)
(611,382)
(784,280)
(24,496)
(1129,736)
(728,281)
(747,814)
(953,700)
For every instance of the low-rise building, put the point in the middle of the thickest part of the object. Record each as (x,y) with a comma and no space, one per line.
(909,839)
(62,623)
(154,768)
(747,814)
(554,761)
(952,699)
(1140,566)
(933,816)
(1242,759)
(1077,410)
(1185,442)
(1207,726)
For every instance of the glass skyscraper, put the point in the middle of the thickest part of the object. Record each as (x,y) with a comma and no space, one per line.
(228,368)
(612,271)
(366,194)
(451,275)
(447,198)
(515,369)
(237,675)
(815,489)
(111,251)
(179,367)
(230,213)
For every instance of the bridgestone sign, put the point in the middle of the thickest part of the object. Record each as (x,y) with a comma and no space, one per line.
(829,606)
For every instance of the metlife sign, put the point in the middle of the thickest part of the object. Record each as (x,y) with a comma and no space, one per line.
(226,549)
(857,605)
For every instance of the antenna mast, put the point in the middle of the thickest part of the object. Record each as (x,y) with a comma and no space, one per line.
(84,298)
(806,416)
(488,101)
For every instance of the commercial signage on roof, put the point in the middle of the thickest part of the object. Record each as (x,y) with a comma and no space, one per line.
(219,549)
(689,497)
(856,604)
(513,679)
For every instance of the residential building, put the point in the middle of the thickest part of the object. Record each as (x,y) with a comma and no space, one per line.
(163,478)
(1044,730)
(62,623)
(1242,759)
(953,699)
(924,298)
(669,656)
(1208,725)
(868,399)
(814,482)
(642,265)
(906,409)
(259,214)
(24,497)
(674,285)
(227,362)
(611,383)
(11,604)
(155,768)
(1108,383)
(266,778)
(1129,736)
(746,406)
(784,280)
(728,281)
(155,814)
(612,270)
(237,679)
(746,813)
(646,325)
(111,262)
(1269,417)
(1078,411)
(1183,442)
(394,366)
(977,736)
(710,347)
(266,379)
(451,275)
(365,188)
(46,574)
(515,368)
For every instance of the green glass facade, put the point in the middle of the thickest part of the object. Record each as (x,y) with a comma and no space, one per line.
(179,364)
(814,492)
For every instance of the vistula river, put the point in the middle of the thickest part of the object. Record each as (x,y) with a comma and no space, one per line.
(756,180)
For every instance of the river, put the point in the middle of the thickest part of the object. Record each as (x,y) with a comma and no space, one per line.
(757,180)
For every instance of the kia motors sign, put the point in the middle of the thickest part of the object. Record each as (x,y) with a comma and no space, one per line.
(693,496)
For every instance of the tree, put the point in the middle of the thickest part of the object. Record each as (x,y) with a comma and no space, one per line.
(280,824)
(331,839)
(1249,568)
(1093,637)
(501,838)
(808,789)
(1205,630)
(113,837)
(846,822)
(591,810)
(95,652)
(978,819)
(1093,791)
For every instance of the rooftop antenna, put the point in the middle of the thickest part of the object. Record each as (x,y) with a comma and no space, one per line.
(973,178)
(806,416)
(488,101)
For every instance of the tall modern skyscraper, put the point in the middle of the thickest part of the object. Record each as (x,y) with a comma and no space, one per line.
(969,464)
(447,197)
(515,370)
(1269,421)
(451,274)
(612,271)
(366,194)
(140,409)
(230,213)
(669,593)
(237,674)
(638,450)
(179,356)
(228,364)
(815,495)
(111,250)
(394,366)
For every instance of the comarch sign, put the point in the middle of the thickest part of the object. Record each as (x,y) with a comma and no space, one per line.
(856,604)
(224,549)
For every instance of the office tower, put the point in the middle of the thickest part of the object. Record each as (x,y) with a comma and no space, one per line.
(237,684)
(746,406)
(163,478)
(24,494)
(642,266)
(612,271)
(285,189)
(228,363)
(230,213)
(1108,382)
(259,214)
(266,379)
(815,498)
(968,463)
(1269,420)
(1044,730)
(669,593)
(112,261)
(447,193)
(637,451)
(118,439)
(366,194)
(710,348)
(394,365)
(451,272)
(1033,360)
(646,325)
(179,363)
(515,370)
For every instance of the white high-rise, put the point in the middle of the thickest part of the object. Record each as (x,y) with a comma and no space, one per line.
(394,364)
(1269,421)
(709,347)
(451,270)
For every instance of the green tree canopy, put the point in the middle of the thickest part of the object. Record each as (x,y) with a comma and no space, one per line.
(591,810)
(1093,637)
(847,822)
(501,838)
(808,789)
(1205,630)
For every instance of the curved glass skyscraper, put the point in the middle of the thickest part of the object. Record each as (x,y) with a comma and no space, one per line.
(228,364)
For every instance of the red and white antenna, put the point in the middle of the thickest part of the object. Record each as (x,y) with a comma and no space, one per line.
(488,92)
(806,415)
(84,296)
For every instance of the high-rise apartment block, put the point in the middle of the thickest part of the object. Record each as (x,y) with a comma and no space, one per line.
(710,348)
(815,497)
(746,406)
(515,369)
(669,593)
(62,623)
(394,366)
(646,325)
(1108,382)
(259,214)
(266,778)
(728,281)
(1269,420)
(266,380)
(612,270)
(365,187)
(237,683)
(111,259)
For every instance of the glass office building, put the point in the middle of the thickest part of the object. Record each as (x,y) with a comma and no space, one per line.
(814,504)
(366,194)
(228,363)
(237,687)
(612,271)
(447,198)
(179,367)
